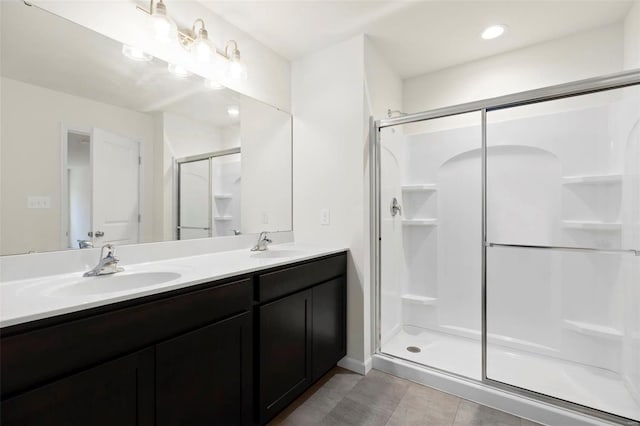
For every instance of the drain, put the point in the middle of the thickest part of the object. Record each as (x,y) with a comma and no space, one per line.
(414,349)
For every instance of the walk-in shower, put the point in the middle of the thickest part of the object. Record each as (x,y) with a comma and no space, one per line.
(510,258)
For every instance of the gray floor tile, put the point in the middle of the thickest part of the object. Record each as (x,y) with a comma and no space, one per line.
(472,414)
(319,400)
(425,406)
(379,391)
(353,413)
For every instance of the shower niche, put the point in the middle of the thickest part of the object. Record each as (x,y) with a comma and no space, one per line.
(562,236)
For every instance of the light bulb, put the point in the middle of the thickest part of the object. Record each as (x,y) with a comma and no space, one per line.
(202,51)
(135,54)
(236,70)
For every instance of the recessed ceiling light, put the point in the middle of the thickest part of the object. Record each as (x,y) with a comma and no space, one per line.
(494,31)
(135,54)
(178,70)
(233,110)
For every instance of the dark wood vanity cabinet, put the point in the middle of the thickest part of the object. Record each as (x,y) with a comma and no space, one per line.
(302,330)
(233,352)
(183,358)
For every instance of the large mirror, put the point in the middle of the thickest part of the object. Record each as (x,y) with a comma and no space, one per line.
(102,143)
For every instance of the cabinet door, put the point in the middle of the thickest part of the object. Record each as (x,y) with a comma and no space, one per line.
(284,352)
(329,325)
(205,377)
(118,392)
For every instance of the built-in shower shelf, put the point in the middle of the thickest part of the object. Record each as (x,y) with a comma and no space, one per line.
(223,218)
(591,329)
(222,196)
(420,222)
(419,187)
(592,179)
(592,225)
(419,300)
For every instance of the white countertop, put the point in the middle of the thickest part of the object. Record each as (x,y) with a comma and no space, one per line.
(36,298)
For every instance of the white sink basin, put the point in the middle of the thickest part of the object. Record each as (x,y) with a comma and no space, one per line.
(112,283)
(275,254)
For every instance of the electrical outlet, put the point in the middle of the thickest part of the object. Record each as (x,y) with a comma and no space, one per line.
(38,202)
(265,218)
(325,217)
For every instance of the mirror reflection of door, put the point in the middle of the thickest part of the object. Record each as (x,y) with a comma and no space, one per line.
(102,182)
(209,195)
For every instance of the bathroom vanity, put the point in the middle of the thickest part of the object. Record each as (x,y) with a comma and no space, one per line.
(231,349)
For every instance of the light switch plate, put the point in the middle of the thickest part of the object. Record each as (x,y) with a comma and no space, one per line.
(38,202)
(265,218)
(325,217)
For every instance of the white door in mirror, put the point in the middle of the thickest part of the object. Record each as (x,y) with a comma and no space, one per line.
(115,165)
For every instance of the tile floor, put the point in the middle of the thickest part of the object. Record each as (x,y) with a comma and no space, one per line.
(345,398)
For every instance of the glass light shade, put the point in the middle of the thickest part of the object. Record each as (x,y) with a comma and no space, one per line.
(164,28)
(202,50)
(136,54)
(236,70)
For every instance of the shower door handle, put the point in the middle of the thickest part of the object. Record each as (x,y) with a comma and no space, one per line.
(396,208)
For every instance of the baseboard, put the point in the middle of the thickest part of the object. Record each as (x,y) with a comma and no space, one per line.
(355,365)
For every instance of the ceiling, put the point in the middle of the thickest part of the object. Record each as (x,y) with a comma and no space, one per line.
(416,37)
(43,49)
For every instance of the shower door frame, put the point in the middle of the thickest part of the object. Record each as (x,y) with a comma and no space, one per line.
(561,91)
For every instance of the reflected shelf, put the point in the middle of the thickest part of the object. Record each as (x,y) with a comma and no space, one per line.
(222,196)
(222,218)
(424,187)
(592,179)
(592,225)
(420,222)
(419,300)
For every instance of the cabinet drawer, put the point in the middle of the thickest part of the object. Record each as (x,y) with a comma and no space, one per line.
(36,357)
(289,280)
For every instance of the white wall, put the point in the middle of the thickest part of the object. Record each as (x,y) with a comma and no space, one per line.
(584,55)
(329,160)
(632,38)
(27,150)
(268,73)
(266,168)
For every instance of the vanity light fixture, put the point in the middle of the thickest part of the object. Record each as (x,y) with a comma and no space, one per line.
(178,70)
(233,110)
(213,85)
(196,40)
(135,54)
(494,31)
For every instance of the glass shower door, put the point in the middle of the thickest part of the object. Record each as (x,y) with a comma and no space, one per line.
(563,249)
(194,199)
(431,243)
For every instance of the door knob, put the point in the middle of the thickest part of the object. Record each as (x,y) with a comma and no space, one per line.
(99,234)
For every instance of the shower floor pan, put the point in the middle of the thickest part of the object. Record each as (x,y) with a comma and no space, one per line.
(591,386)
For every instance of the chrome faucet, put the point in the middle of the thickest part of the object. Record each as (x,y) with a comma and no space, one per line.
(107,264)
(263,240)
